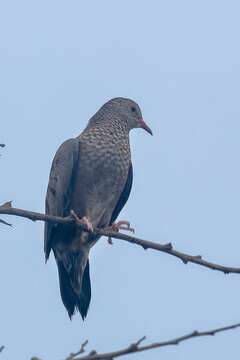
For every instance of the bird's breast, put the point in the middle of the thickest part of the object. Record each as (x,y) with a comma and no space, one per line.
(100,179)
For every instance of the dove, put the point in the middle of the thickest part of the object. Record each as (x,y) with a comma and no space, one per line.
(91,179)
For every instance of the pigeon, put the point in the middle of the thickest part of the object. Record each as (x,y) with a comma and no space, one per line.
(90,179)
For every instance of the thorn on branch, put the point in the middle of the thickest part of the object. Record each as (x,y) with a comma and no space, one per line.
(134,346)
(168,246)
(92,353)
(197,257)
(7,204)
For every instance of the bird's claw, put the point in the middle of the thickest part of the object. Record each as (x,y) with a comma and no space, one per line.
(122,225)
(88,223)
(83,221)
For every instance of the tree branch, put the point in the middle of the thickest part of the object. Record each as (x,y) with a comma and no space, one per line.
(7,209)
(134,348)
(72,356)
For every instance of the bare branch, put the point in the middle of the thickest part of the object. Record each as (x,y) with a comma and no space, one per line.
(72,356)
(134,348)
(146,244)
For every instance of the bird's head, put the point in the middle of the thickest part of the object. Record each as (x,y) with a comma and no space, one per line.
(126,110)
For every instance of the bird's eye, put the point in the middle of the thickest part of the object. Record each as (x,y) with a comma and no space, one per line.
(133,109)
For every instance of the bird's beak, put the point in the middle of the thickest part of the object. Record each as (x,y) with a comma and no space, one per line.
(144,126)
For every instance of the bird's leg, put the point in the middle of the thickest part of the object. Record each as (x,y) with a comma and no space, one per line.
(120,225)
(82,221)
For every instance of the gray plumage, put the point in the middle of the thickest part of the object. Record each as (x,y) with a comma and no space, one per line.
(92,175)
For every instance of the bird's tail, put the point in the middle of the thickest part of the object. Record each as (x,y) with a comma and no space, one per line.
(74,280)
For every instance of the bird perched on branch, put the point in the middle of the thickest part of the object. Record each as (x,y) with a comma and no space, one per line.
(90,178)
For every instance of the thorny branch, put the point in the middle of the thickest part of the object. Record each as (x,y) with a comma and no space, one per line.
(135,347)
(7,209)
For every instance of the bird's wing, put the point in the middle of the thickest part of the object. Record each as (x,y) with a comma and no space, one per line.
(60,186)
(124,195)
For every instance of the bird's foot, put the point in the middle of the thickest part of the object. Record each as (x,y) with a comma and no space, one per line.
(120,225)
(83,221)
(88,223)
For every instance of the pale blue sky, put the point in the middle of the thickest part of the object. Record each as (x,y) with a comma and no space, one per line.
(180,60)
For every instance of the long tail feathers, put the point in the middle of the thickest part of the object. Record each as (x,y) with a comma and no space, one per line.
(85,294)
(75,285)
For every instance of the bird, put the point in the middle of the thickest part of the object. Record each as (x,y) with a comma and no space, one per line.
(90,178)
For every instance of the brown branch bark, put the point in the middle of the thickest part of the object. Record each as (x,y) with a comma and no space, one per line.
(146,244)
(135,347)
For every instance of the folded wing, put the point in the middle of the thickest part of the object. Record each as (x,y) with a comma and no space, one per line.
(60,186)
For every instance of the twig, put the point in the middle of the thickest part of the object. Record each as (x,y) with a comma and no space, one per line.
(134,348)
(5,222)
(2,348)
(146,244)
(72,356)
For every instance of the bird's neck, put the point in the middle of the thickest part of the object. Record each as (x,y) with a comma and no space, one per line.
(108,123)
(110,133)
